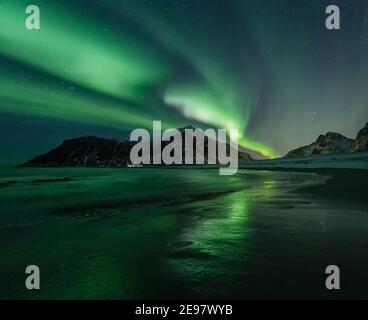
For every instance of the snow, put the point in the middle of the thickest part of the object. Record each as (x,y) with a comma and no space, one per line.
(338,161)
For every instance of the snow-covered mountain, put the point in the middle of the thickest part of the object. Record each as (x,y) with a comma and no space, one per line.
(330,143)
(361,141)
(333,143)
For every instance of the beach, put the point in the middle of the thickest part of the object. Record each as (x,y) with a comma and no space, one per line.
(154,233)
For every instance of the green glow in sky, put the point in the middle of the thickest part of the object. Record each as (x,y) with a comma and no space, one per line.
(271,71)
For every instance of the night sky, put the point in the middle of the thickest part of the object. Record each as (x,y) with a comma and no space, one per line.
(267,67)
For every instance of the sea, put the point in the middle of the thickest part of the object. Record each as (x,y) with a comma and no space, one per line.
(156,233)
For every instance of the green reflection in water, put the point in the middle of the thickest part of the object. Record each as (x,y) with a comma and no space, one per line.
(205,251)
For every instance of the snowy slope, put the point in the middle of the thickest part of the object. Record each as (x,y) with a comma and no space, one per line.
(341,161)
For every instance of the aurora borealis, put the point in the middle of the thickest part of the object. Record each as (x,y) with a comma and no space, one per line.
(267,68)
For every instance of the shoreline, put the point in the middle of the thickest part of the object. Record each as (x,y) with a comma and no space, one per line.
(247,167)
(343,184)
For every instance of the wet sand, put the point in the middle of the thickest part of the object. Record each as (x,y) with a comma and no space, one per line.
(258,234)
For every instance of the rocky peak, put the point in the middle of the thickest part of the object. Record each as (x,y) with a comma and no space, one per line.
(361,141)
(330,143)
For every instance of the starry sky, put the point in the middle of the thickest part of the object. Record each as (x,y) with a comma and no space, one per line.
(268,68)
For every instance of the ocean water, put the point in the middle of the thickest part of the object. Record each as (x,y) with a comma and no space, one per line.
(176,233)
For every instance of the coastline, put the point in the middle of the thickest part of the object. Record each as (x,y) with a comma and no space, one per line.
(195,220)
(342,184)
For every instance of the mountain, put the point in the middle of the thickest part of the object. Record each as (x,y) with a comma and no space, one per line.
(330,143)
(93,151)
(242,155)
(333,143)
(361,141)
(86,152)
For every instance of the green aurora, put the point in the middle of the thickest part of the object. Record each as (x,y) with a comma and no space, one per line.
(267,68)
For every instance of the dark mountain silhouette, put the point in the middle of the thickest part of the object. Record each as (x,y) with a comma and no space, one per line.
(86,152)
(91,151)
